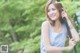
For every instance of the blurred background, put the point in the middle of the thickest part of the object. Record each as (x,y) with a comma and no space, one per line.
(20,23)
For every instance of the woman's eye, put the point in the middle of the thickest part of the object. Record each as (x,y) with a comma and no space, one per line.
(50,10)
(53,9)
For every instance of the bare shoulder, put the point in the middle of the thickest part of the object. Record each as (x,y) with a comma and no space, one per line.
(45,23)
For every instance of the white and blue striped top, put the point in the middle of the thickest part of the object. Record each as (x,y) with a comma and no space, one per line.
(56,39)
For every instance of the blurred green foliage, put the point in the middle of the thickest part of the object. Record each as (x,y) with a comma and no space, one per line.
(20,23)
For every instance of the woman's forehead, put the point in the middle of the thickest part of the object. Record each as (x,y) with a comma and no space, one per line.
(51,6)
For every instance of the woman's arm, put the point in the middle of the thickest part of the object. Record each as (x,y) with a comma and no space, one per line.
(74,33)
(45,36)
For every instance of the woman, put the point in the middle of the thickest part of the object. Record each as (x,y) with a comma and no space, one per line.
(54,32)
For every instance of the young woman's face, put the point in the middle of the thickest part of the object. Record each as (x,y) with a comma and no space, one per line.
(53,13)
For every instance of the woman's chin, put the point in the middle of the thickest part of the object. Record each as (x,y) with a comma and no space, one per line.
(53,19)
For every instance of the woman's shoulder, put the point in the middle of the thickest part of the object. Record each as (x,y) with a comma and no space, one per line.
(45,23)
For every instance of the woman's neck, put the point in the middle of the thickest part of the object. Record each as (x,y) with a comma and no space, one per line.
(57,24)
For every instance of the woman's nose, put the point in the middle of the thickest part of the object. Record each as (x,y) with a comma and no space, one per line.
(52,12)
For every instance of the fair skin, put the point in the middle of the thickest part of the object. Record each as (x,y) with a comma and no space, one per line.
(54,15)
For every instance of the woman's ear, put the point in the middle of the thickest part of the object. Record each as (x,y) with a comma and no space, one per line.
(62,9)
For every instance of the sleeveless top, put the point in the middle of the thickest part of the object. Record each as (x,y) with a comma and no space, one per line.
(56,39)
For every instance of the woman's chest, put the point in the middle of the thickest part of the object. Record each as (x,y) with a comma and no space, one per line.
(57,39)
